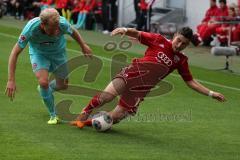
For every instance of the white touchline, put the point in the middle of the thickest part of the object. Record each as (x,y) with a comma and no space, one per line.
(172,74)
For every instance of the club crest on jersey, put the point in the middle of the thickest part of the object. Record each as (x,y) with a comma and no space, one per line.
(34,65)
(22,38)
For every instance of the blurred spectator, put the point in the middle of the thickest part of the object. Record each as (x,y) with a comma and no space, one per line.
(236,28)
(43,4)
(82,12)
(137,9)
(208,30)
(223,32)
(109,15)
(97,12)
(16,8)
(223,9)
(236,33)
(143,21)
(238,9)
(95,16)
(23,9)
(2,8)
(33,9)
(81,16)
(211,12)
(66,12)
(61,6)
(78,5)
(88,11)
(10,7)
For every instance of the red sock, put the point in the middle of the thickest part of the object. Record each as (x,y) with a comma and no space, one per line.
(94,103)
(88,122)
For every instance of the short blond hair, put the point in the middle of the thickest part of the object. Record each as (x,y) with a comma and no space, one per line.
(49,15)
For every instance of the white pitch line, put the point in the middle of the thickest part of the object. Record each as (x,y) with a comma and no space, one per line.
(8,35)
(211,83)
(172,74)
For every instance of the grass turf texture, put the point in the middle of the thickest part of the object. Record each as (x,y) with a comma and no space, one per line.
(210,132)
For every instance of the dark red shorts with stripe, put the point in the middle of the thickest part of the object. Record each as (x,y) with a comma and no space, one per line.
(139,79)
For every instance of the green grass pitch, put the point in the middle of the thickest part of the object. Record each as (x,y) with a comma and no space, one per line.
(207,130)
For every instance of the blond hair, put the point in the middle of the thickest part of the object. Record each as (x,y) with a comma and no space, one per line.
(49,15)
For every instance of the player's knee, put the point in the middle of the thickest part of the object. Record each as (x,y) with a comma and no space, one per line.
(43,83)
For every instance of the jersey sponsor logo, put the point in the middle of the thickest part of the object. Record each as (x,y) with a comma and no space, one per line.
(47,43)
(162,57)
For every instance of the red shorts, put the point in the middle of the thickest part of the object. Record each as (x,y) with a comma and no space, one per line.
(140,78)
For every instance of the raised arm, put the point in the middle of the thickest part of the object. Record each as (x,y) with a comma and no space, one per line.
(205,91)
(11,84)
(85,48)
(132,32)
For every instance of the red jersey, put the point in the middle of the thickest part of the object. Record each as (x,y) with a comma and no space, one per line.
(146,4)
(212,11)
(143,5)
(89,7)
(47,2)
(160,51)
(222,12)
(78,6)
(61,4)
(98,7)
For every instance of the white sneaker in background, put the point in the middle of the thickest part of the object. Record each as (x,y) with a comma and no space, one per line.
(105,32)
(215,41)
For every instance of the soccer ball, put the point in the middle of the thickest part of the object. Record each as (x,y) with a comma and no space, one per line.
(102,122)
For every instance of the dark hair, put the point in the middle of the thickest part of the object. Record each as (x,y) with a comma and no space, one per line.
(223,1)
(214,0)
(188,33)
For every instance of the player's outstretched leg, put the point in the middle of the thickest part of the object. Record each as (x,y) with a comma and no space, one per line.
(117,114)
(115,88)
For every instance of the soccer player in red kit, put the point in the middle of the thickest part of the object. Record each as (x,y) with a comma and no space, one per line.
(211,12)
(134,82)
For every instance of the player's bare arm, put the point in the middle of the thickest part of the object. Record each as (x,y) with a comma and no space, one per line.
(204,90)
(85,48)
(131,32)
(11,84)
